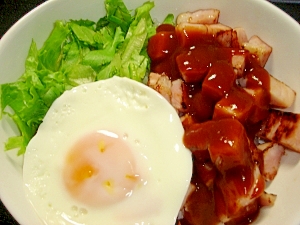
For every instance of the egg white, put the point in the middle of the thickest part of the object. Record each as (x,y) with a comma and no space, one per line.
(150,126)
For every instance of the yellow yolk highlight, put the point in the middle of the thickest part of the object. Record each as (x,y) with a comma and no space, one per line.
(100,169)
(82,173)
(101,146)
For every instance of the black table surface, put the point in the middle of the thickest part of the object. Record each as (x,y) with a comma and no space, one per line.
(12,10)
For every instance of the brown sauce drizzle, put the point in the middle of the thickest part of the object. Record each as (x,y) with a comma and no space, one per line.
(225,119)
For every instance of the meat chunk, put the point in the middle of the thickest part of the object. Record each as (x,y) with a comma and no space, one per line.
(219,80)
(282,128)
(240,199)
(193,65)
(239,37)
(282,96)
(261,100)
(272,153)
(222,34)
(153,79)
(198,205)
(186,120)
(161,84)
(200,32)
(161,45)
(258,47)
(224,38)
(238,183)
(238,63)
(172,91)
(225,139)
(267,199)
(203,16)
(237,104)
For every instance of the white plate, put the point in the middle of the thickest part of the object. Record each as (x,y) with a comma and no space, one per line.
(256,16)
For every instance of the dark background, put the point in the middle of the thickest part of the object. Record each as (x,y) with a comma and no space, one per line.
(12,10)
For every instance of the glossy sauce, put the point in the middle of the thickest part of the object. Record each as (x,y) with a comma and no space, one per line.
(225,116)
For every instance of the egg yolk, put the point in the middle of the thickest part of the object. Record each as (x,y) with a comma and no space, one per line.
(100,169)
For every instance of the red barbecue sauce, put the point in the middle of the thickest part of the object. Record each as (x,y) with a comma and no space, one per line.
(221,140)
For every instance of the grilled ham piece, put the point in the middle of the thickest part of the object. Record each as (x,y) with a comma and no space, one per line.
(272,153)
(172,91)
(204,16)
(281,95)
(283,128)
(258,47)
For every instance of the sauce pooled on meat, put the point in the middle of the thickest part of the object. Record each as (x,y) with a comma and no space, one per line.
(220,119)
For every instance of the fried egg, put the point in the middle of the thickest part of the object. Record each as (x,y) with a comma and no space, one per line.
(108,152)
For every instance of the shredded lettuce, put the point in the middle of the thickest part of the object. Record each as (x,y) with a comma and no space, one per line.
(170,19)
(77,52)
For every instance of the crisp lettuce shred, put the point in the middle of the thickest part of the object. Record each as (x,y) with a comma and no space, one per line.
(169,19)
(77,52)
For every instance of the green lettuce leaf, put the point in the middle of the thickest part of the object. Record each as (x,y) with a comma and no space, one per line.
(131,59)
(50,55)
(169,19)
(118,14)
